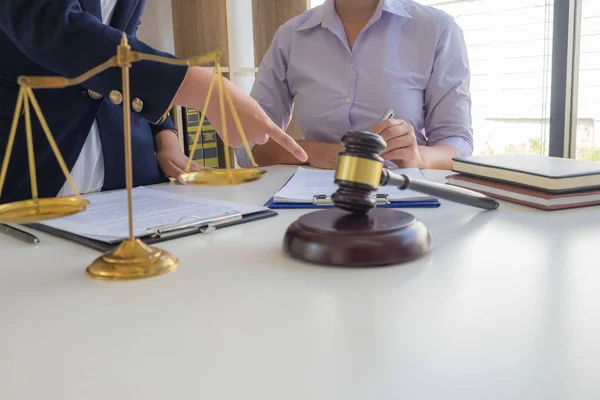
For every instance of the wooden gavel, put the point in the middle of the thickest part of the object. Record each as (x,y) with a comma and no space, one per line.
(360,171)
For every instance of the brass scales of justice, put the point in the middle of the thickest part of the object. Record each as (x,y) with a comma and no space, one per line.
(132,259)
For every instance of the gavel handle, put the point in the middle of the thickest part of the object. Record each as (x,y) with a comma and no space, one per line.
(452,193)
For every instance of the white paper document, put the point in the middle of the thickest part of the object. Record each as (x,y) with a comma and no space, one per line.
(307,183)
(106,217)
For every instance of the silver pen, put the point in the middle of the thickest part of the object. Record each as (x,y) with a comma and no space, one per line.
(389,114)
(18,234)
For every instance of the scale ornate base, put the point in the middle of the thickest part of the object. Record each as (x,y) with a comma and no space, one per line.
(132,260)
(339,238)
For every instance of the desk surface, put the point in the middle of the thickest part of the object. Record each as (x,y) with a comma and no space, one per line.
(507,306)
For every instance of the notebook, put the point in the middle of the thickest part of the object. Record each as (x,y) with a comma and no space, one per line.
(308,183)
(549,174)
(527,196)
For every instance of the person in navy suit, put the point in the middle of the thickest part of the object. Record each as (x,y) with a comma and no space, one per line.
(69,37)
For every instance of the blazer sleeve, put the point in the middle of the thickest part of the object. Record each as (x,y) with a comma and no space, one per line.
(167,124)
(60,36)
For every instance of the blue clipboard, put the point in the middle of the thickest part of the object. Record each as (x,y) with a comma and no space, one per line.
(392,204)
(399,204)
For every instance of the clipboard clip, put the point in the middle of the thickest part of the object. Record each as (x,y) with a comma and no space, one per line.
(320,200)
(194,224)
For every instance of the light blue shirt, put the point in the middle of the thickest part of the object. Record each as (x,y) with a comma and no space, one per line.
(409,57)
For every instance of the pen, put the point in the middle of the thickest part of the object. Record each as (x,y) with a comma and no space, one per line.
(389,114)
(18,234)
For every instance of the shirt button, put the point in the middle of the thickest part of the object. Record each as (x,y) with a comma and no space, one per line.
(352,65)
(348,99)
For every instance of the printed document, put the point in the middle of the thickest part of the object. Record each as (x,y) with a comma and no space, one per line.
(106,217)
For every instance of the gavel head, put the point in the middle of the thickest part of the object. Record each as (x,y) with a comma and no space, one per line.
(358,171)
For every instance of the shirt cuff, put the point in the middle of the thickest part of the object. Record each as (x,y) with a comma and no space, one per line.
(242,157)
(389,164)
(464,147)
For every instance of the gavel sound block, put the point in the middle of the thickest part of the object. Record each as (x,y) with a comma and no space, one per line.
(357,234)
(339,238)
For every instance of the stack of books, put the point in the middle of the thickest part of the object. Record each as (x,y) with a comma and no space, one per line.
(210,149)
(546,183)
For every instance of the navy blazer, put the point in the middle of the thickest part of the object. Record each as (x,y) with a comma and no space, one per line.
(68,38)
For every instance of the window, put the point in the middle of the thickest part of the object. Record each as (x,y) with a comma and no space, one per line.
(509,44)
(588,99)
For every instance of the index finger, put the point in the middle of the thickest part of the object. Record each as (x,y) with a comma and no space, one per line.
(288,143)
(396,131)
(388,123)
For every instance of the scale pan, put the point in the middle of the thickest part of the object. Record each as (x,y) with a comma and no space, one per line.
(29,211)
(223,177)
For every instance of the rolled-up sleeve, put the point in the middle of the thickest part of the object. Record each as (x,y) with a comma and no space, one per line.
(447,96)
(58,33)
(270,89)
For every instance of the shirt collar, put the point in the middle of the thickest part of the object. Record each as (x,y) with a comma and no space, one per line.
(325,14)
(395,7)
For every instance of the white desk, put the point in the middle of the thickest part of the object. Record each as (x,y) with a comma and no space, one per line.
(507,306)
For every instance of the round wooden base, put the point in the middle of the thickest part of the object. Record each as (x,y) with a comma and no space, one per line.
(339,238)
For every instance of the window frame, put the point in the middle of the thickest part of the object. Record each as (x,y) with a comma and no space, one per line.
(565,78)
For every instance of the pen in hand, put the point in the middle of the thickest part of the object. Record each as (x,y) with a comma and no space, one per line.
(388,114)
(18,234)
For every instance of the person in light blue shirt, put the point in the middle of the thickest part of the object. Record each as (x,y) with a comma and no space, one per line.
(340,65)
